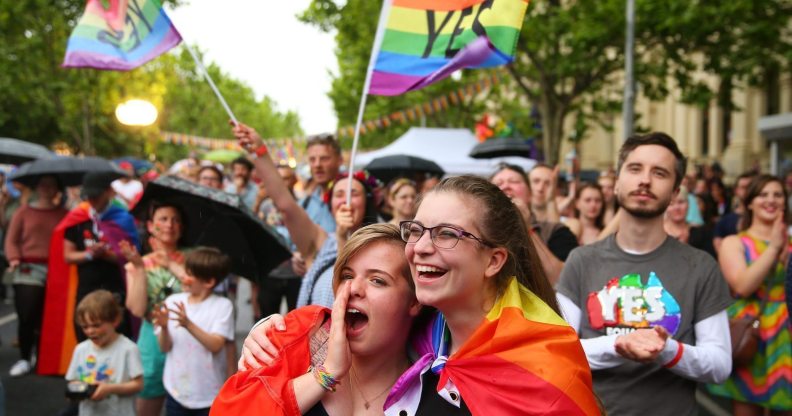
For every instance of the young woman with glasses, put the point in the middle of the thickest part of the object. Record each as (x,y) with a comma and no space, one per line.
(497,344)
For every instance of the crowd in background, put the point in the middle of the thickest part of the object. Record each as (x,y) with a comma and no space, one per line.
(731,219)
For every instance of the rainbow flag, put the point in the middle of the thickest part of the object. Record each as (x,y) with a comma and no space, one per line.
(523,359)
(424,41)
(58,339)
(121,37)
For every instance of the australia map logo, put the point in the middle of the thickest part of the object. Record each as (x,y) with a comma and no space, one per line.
(626,304)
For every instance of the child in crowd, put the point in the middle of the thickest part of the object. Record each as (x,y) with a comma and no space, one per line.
(194,338)
(106,359)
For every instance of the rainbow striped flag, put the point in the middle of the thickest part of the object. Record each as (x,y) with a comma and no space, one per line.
(424,41)
(523,359)
(121,37)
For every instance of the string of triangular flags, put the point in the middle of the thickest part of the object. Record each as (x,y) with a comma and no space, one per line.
(435,105)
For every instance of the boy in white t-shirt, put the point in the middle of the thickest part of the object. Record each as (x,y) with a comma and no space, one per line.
(195,336)
(107,359)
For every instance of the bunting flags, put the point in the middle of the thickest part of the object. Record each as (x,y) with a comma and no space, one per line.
(424,41)
(123,36)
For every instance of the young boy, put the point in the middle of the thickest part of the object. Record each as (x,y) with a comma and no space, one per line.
(106,359)
(194,338)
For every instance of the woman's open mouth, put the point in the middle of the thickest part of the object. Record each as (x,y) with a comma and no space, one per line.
(356,321)
(429,272)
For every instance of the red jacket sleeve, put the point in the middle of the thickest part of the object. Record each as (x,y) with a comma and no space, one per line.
(269,390)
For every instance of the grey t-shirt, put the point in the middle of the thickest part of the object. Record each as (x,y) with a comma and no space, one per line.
(674,286)
(116,363)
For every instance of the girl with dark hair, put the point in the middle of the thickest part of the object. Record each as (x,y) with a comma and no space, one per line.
(150,279)
(27,250)
(317,247)
(753,263)
(590,213)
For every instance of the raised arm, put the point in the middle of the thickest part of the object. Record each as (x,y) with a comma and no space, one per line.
(306,235)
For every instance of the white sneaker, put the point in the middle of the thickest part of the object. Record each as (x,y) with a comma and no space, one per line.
(19,369)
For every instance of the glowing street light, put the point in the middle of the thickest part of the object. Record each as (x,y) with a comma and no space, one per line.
(136,113)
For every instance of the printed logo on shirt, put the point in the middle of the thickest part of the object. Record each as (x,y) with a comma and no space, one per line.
(625,304)
(92,372)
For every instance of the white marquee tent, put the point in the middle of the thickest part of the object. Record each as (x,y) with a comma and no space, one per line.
(448,148)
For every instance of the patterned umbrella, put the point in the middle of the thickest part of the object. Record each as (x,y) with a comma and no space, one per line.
(219,219)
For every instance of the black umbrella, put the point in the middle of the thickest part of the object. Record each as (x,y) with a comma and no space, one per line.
(502,146)
(69,170)
(387,168)
(219,219)
(14,152)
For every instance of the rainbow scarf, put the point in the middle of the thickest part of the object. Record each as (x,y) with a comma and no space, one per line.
(122,37)
(523,359)
(57,329)
(424,41)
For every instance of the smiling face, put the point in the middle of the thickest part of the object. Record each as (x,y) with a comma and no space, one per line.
(357,200)
(645,185)
(165,225)
(512,184)
(460,277)
(381,303)
(769,203)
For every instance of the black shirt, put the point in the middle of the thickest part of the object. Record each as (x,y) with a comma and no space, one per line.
(97,273)
(432,404)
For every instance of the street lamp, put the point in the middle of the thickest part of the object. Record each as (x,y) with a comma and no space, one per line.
(136,113)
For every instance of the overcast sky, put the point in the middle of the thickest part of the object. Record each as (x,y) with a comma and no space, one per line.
(262,43)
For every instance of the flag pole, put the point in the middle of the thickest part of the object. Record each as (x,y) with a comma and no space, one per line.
(208,79)
(366,84)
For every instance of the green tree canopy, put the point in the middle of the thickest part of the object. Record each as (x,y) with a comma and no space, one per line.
(570,58)
(45,103)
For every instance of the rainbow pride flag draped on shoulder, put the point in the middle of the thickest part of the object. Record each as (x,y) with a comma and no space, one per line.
(523,359)
(121,37)
(57,328)
(425,41)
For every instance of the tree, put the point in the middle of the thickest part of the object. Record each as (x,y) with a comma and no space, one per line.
(570,57)
(45,103)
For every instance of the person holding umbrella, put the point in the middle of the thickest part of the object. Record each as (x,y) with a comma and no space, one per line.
(27,250)
(84,256)
(317,246)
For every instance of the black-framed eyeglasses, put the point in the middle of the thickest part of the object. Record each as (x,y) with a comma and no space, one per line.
(442,236)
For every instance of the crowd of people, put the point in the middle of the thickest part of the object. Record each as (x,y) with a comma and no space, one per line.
(520,293)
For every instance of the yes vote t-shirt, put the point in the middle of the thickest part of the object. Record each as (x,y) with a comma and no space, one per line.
(675,286)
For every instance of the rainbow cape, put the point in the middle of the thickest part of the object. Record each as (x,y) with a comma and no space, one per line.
(122,37)
(522,360)
(57,328)
(424,41)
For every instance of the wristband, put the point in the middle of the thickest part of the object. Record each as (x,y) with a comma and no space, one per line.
(88,256)
(677,357)
(259,151)
(325,379)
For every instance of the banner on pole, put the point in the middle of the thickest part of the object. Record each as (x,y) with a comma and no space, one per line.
(121,37)
(427,40)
